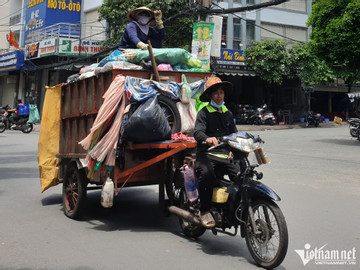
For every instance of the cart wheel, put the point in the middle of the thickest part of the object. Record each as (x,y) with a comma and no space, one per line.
(171,113)
(74,191)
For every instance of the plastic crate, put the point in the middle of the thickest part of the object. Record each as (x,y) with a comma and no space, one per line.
(23,109)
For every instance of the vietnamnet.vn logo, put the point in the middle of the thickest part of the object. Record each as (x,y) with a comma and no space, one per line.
(327,257)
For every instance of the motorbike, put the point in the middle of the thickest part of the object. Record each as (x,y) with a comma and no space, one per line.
(244,204)
(354,124)
(313,119)
(266,116)
(249,115)
(20,124)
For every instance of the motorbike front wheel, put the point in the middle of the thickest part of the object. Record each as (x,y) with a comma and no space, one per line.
(2,127)
(269,246)
(353,131)
(189,229)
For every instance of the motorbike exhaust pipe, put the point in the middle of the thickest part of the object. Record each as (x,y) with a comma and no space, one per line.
(184,214)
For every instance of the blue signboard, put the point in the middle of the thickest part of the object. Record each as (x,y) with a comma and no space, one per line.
(45,13)
(11,61)
(229,56)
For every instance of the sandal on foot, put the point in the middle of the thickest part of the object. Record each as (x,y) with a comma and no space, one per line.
(207,220)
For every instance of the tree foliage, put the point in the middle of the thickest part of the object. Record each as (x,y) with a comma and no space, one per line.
(335,36)
(269,59)
(309,68)
(272,61)
(178,31)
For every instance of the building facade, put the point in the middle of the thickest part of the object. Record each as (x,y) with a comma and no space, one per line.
(51,35)
(286,22)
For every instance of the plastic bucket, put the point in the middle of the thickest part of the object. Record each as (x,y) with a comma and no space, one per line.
(326,121)
(302,119)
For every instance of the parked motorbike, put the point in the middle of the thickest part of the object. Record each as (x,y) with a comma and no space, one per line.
(313,119)
(245,203)
(249,115)
(266,116)
(354,124)
(20,124)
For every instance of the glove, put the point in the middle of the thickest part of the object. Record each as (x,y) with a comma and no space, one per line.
(129,54)
(142,45)
(158,19)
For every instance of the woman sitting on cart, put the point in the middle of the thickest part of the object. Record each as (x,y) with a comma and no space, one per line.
(141,29)
(212,121)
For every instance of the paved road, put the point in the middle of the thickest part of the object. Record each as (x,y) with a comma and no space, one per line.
(315,171)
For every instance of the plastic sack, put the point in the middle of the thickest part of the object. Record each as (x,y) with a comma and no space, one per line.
(116,55)
(148,123)
(185,94)
(172,56)
(34,116)
(187,115)
(164,67)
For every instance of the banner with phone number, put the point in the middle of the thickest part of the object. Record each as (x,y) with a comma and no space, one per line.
(201,43)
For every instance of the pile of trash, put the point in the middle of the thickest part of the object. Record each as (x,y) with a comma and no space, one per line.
(167,59)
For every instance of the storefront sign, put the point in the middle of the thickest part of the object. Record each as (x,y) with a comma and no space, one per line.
(231,57)
(73,47)
(32,51)
(11,61)
(47,47)
(201,43)
(44,13)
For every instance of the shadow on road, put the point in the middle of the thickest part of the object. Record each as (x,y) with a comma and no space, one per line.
(340,141)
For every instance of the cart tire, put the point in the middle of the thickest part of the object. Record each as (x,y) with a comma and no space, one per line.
(74,191)
(171,113)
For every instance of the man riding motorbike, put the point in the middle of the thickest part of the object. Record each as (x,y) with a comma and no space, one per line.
(212,121)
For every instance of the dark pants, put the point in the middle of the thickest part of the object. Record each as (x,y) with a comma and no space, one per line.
(206,167)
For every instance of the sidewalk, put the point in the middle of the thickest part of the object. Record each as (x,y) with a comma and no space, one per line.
(263,127)
(289,126)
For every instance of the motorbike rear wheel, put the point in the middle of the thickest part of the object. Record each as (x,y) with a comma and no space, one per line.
(189,229)
(27,127)
(269,247)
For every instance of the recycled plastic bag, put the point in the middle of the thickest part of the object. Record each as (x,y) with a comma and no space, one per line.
(172,56)
(34,116)
(185,91)
(187,115)
(148,123)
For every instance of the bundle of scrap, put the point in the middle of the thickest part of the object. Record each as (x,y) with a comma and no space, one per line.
(103,137)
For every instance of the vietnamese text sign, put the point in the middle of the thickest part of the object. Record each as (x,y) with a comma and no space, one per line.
(201,43)
(11,61)
(72,47)
(45,13)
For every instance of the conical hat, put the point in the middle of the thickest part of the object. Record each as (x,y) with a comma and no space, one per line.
(132,15)
(213,84)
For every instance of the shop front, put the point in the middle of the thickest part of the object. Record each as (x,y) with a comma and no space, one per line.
(11,78)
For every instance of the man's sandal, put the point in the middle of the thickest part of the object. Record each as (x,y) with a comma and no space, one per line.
(207,220)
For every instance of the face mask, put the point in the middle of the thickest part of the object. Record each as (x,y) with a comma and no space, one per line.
(216,105)
(143,20)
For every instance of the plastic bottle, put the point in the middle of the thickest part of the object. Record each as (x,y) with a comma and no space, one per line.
(190,184)
(107,193)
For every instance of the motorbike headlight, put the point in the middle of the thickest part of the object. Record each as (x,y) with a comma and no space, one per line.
(245,145)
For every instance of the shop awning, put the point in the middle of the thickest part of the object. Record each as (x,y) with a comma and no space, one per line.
(234,73)
(354,95)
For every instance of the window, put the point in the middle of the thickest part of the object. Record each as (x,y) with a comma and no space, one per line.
(237,34)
